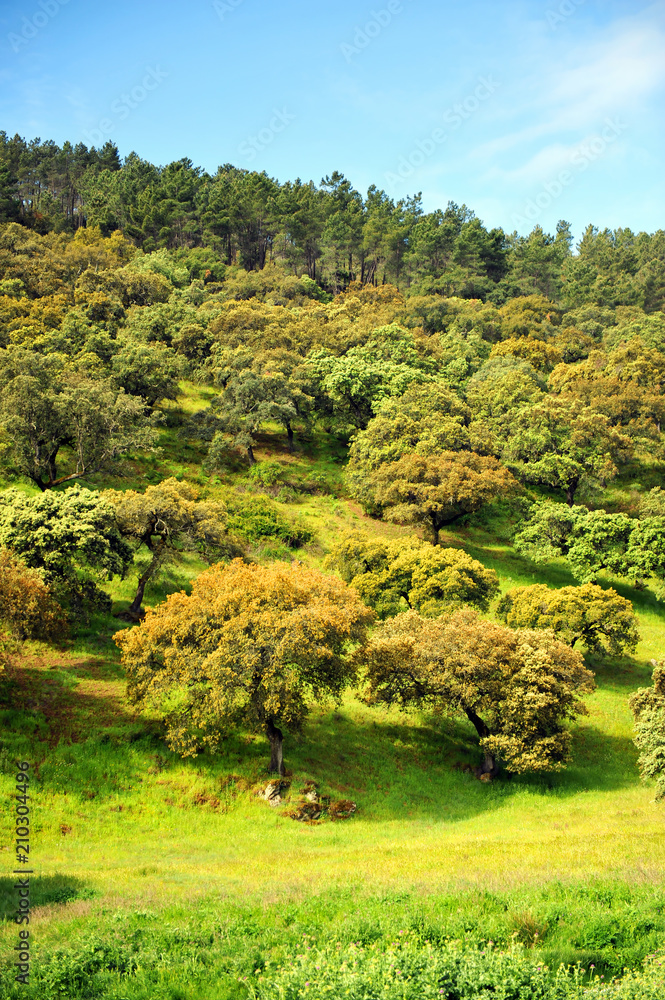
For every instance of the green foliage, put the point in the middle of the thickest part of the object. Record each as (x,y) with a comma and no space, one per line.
(562,444)
(390,576)
(254,518)
(168,519)
(71,536)
(152,372)
(593,540)
(425,419)
(601,619)
(252,398)
(409,970)
(49,408)
(517,687)
(652,504)
(359,381)
(238,949)
(648,708)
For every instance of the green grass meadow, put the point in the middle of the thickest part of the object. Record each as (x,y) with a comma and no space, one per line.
(169,878)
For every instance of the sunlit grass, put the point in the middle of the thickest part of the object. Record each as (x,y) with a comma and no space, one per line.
(121,817)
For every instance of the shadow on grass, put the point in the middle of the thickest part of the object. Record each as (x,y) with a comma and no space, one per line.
(60,699)
(71,719)
(401,770)
(44,891)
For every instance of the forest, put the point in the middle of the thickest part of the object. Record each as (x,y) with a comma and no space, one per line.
(332,554)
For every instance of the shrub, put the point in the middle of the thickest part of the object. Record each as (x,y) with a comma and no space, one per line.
(27,607)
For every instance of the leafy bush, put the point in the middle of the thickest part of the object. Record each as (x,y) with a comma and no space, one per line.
(254,518)
(407,970)
(27,606)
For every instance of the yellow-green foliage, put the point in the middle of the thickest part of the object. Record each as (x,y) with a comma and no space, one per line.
(439,489)
(539,353)
(516,687)
(601,619)
(407,572)
(252,645)
(27,606)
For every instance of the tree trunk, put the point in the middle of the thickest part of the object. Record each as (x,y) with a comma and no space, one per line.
(476,722)
(489,765)
(289,434)
(275,738)
(250,455)
(571,490)
(135,606)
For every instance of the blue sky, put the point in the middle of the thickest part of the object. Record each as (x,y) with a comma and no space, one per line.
(526,110)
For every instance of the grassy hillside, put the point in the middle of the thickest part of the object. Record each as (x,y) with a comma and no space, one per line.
(179,865)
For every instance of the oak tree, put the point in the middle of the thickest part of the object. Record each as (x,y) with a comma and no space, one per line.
(70,536)
(436,490)
(593,541)
(425,419)
(516,687)
(560,443)
(601,619)
(391,576)
(28,608)
(251,647)
(49,409)
(648,708)
(167,519)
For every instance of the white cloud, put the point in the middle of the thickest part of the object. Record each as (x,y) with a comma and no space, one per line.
(573,92)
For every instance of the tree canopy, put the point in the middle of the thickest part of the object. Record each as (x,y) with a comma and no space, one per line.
(28,609)
(71,536)
(426,419)
(166,519)
(516,687)
(252,646)
(49,409)
(593,541)
(436,490)
(601,619)
(648,708)
(559,443)
(391,576)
